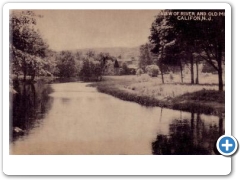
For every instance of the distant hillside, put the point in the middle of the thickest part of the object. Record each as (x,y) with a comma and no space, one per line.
(124,52)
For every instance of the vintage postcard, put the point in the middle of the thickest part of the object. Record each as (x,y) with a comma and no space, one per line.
(115,81)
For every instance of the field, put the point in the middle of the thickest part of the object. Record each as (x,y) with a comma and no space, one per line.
(149,91)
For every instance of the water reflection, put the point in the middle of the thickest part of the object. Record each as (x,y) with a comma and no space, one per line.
(65,80)
(28,107)
(77,119)
(192,136)
(65,101)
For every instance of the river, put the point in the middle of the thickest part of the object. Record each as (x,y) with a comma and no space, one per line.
(74,119)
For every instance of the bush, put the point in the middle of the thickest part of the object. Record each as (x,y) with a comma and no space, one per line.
(152,70)
(131,71)
(139,72)
(121,71)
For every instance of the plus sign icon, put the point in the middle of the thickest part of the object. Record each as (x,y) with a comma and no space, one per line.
(227,145)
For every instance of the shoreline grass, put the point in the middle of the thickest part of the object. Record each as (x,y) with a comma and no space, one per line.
(197,98)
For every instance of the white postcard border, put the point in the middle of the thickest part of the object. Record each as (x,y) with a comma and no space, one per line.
(113,164)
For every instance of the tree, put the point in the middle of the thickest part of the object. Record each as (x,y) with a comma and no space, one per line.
(50,68)
(213,45)
(27,48)
(95,65)
(197,59)
(161,35)
(79,61)
(103,58)
(125,69)
(201,37)
(186,36)
(90,54)
(146,56)
(91,69)
(175,56)
(66,64)
(85,71)
(192,36)
(116,67)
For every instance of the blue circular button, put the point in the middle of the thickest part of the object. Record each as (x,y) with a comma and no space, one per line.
(227,145)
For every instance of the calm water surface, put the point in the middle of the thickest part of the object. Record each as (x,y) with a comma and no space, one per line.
(71,118)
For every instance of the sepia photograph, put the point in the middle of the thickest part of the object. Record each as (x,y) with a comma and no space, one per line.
(116,81)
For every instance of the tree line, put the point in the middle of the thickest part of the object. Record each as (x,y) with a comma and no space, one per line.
(175,43)
(30,55)
(172,43)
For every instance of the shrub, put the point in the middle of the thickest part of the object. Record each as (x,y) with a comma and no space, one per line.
(139,72)
(121,71)
(152,70)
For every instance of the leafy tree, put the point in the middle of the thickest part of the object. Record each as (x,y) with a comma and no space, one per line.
(125,69)
(175,56)
(66,64)
(95,65)
(146,56)
(50,68)
(202,37)
(103,58)
(186,35)
(116,67)
(27,48)
(178,39)
(91,69)
(213,44)
(85,71)
(90,54)
(161,36)
(79,61)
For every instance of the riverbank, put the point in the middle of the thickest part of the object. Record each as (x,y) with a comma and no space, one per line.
(151,92)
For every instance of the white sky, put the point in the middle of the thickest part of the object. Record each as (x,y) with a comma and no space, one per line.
(76,29)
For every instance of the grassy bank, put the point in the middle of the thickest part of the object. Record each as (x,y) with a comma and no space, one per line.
(151,92)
